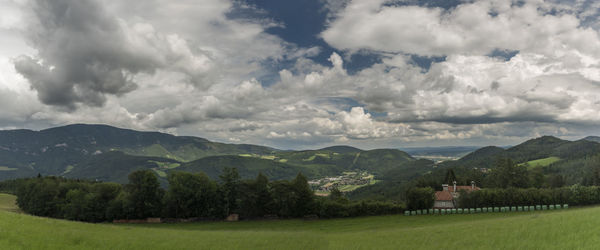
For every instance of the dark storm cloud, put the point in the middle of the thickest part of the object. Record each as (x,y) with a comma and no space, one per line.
(83,54)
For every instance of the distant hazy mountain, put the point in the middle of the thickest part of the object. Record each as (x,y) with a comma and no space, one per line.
(450,151)
(534,149)
(592,138)
(342,149)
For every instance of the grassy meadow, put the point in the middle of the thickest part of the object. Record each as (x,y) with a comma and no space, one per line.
(557,229)
(543,162)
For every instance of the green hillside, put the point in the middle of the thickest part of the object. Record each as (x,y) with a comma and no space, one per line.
(115,166)
(25,153)
(558,229)
(106,153)
(483,157)
(328,162)
(248,167)
(534,149)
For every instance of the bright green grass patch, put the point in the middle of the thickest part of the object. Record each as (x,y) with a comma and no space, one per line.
(554,229)
(542,162)
(166,165)
(267,157)
(8,203)
(349,188)
(68,169)
(283,160)
(159,151)
(3,168)
(312,157)
(324,155)
(160,173)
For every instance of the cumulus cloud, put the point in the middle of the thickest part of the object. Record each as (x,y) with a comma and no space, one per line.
(131,64)
(474,28)
(83,53)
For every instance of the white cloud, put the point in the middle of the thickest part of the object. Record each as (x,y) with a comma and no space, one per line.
(467,29)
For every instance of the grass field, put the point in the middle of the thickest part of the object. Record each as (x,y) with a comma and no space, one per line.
(558,229)
(543,162)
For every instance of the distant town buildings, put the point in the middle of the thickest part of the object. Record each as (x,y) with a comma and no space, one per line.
(354,179)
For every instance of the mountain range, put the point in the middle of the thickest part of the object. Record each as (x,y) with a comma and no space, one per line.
(106,153)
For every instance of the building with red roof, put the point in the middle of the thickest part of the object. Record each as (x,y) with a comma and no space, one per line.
(448,197)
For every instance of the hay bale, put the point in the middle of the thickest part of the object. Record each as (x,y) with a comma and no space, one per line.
(153,220)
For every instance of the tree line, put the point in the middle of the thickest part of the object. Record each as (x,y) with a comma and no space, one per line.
(572,195)
(505,174)
(189,195)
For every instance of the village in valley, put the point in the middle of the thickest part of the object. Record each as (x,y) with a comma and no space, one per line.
(346,182)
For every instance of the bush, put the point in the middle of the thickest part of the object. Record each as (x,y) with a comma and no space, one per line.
(420,198)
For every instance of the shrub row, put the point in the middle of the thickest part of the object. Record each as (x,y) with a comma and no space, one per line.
(337,209)
(575,195)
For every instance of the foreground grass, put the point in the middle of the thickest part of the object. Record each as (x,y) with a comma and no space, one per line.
(560,229)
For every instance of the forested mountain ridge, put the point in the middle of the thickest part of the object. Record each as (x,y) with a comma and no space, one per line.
(534,149)
(58,150)
(105,153)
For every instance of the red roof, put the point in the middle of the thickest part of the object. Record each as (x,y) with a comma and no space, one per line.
(443,196)
(446,195)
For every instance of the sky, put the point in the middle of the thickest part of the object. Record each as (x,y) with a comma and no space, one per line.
(306,74)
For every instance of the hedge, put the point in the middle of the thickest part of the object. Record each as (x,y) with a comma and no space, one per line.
(513,197)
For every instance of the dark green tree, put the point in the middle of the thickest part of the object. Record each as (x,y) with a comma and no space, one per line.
(536,177)
(144,195)
(263,195)
(556,181)
(508,174)
(337,195)
(76,205)
(304,196)
(420,198)
(450,177)
(284,198)
(256,199)
(191,195)
(230,179)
